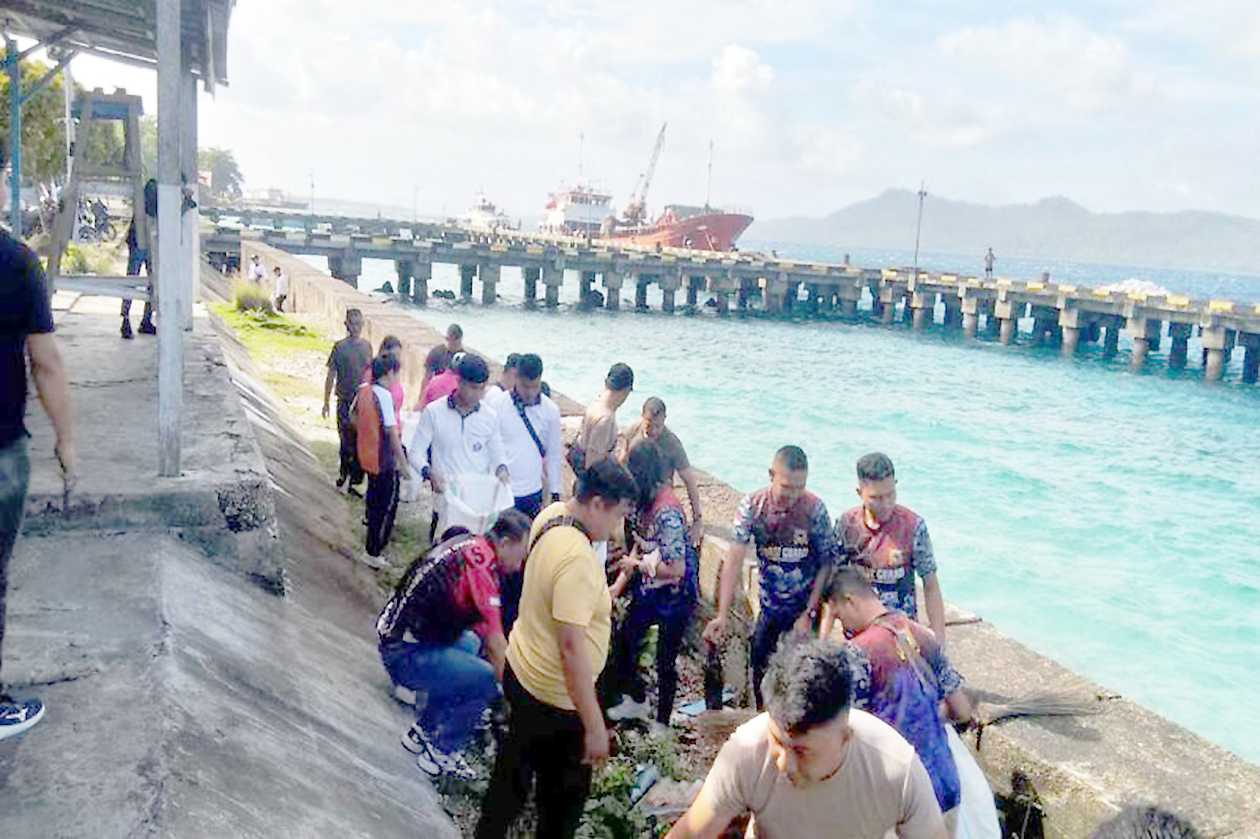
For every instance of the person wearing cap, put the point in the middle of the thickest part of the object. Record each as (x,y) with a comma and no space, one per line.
(598,436)
(442,384)
(507,378)
(458,435)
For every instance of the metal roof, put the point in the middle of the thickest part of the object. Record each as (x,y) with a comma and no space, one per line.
(126,30)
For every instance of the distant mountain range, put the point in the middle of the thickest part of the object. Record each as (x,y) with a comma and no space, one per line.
(1053,227)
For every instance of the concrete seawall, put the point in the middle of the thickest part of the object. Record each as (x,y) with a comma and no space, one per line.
(1075,771)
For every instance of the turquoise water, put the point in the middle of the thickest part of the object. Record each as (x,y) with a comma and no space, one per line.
(1107,519)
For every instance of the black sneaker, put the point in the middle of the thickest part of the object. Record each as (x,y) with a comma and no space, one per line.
(126,330)
(16,717)
(147,328)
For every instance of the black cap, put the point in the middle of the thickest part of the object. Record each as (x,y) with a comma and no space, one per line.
(472,368)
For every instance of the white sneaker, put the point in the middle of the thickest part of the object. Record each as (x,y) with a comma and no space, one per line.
(416,741)
(628,709)
(406,696)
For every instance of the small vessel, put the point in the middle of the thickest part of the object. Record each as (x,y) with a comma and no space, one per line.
(584,211)
(484,215)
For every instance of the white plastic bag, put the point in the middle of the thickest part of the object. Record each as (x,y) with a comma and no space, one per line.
(977,812)
(472,501)
(410,486)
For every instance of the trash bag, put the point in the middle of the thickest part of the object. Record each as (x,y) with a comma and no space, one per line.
(411,485)
(977,812)
(472,501)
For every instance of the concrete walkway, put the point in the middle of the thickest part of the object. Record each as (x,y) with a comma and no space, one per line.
(185,698)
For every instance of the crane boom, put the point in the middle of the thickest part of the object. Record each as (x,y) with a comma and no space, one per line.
(636,210)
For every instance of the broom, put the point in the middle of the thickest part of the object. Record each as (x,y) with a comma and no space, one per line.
(1048,704)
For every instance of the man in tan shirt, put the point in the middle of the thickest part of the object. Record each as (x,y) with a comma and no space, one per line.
(811,767)
(598,438)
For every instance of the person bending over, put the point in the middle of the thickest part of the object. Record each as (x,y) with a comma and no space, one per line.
(442,612)
(559,645)
(790,531)
(666,588)
(813,768)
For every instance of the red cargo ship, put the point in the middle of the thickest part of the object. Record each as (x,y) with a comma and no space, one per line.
(585,211)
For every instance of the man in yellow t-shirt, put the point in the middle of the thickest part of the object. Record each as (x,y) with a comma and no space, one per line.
(555,652)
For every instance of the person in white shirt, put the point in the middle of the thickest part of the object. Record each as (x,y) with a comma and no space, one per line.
(380,452)
(508,377)
(282,288)
(256,273)
(459,435)
(813,767)
(530,426)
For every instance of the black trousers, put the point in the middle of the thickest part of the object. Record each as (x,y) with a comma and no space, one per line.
(542,742)
(530,505)
(659,607)
(770,628)
(349,452)
(382,506)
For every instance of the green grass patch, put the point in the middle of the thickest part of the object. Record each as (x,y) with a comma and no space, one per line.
(266,334)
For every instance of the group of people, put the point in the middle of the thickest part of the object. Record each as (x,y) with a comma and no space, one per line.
(256,273)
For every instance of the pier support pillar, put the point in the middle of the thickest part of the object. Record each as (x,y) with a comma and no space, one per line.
(641,283)
(741,296)
(612,289)
(404,269)
(489,282)
(1007,313)
(695,285)
(669,283)
(953,311)
(723,302)
(1251,358)
(1006,330)
(586,284)
(923,305)
(848,307)
(1180,349)
(1071,324)
(667,300)
(970,315)
(777,289)
(1071,337)
(346,267)
(423,272)
(1111,342)
(531,284)
(467,273)
(553,278)
(1216,341)
(1143,330)
(907,311)
(1141,346)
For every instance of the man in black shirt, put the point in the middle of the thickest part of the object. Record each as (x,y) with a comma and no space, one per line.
(349,358)
(26,328)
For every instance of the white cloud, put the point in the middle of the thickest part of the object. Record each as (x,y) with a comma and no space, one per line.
(739,70)
(1060,60)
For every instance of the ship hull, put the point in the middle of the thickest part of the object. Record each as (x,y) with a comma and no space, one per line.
(709,231)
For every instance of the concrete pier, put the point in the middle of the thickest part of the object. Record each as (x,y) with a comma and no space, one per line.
(1251,358)
(1064,316)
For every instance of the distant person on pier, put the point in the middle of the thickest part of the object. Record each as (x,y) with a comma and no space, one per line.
(26,336)
(255,273)
(790,531)
(989,259)
(663,573)
(141,248)
(346,363)
(281,281)
(902,676)
(812,766)
(458,435)
(890,543)
(651,426)
(380,452)
(556,731)
(597,438)
(529,424)
(507,377)
(443,617)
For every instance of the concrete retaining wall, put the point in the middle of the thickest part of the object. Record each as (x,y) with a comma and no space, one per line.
(1071,772)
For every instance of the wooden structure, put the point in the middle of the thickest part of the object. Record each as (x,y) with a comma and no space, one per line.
(185,41)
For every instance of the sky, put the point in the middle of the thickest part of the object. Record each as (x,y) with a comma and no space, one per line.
(810,104)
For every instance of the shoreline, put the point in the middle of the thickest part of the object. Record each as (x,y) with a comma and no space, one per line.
(1080,768)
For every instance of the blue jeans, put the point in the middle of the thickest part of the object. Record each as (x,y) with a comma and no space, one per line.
(459,683)
(15,476)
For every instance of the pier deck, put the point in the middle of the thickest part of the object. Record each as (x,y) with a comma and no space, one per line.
(1062,315)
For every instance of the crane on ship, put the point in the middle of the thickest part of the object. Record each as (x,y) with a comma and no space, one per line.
(636,210)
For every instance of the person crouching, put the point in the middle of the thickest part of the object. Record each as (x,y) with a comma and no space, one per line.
(665,591)
(444,611)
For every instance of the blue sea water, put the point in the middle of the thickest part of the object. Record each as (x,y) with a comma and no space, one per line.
(1108,519)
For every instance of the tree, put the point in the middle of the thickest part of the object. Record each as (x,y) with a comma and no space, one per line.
(43,124)
(225,176)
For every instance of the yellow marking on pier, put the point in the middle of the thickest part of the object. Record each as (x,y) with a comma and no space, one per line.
(1220,306)
(1035,286)
(1178,300)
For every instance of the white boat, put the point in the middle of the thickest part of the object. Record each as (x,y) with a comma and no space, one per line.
(576,211)
(484,215)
